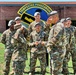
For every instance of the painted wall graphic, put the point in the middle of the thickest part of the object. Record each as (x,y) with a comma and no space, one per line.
(27,12)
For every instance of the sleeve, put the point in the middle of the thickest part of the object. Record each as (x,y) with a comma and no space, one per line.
(75,34)
(16,36)
(3,38)
(55,34)
(26,33)
(31,43)
(30,28)
(50,38)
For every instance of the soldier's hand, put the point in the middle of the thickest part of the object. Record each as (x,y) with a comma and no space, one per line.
(36,43)
(49,21)
(43,43)
(48,49)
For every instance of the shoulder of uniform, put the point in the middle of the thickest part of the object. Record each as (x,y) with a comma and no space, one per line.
(43,21)
(33,32)
(52,26)
(72,26)
(18,30)
(59,24)
(32,22)
(6,31)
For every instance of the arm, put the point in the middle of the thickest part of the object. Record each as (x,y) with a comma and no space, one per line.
(30,28)
(3,38)
(31,43)
(56,33)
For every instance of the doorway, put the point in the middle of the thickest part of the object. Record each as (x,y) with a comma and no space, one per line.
(74,22)
(7,24)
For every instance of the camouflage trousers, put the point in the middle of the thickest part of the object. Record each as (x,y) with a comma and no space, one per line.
(56,61)
(69,52)
(7,56)
(42,59)
(65,63)
(19,67)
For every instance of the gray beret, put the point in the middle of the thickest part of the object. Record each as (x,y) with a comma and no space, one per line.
(38,24)
(36,13)
(53,13)
(68,18)
(63,20)
(11,22)
(17,18)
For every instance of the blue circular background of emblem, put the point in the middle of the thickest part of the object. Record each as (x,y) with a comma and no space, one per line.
(28,10)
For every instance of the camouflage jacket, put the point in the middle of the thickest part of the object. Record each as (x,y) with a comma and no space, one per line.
(70,36)
(20,46)
(47,30)
(34,36)
(57,36)
(6,38)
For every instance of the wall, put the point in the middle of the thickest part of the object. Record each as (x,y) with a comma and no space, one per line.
(7,13)
(10,12)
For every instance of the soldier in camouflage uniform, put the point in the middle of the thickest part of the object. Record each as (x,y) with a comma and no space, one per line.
(70,48)
(56,44)
(37,19)
(38,50)
(19,21)
(17,26)
(66,59)
(6,40)
(47,29)
(20,48)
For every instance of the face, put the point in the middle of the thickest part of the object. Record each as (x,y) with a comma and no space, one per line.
(49,20)
(69,23)
(18,21)
(65,24)
(12,27)
(55,18)
(38,28)
(37,17)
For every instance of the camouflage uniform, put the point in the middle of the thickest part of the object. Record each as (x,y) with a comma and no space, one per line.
(6,40)
(74,52)
(32,26)
(57,43)
(47,30)
(70,49)
(19,54)
(38,51)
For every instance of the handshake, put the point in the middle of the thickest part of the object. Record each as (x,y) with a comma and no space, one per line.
(39,42)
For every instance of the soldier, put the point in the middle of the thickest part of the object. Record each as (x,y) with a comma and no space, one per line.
(17,26)
(19,21)
(56,44)
(37,44)
(47,29)
(37,19)
(70,48)
(31,28)
(20,48)
(66,59)
(6,40)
